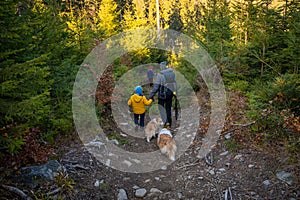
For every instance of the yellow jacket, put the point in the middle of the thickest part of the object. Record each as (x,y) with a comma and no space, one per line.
(138,103)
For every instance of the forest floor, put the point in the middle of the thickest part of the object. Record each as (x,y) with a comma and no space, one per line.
(246,170)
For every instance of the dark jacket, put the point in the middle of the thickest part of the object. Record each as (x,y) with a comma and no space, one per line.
(160,86)
(150,73)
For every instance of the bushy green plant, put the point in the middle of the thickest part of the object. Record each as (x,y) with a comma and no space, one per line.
(281,94)
(190,73)
(239,85)
(118,71)
(274,107)
(232,145)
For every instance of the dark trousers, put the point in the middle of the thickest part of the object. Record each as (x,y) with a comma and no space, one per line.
(139,119)
(165,109)
(150,82)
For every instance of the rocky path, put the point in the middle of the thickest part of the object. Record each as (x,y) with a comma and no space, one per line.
(224,174)
(246,174)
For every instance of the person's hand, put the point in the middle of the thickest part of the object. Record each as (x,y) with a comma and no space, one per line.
(149,97)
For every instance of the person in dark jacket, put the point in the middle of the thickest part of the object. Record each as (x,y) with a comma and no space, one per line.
(166,87)
(150,75)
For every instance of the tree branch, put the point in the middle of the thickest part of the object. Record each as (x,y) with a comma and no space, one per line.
(17,191)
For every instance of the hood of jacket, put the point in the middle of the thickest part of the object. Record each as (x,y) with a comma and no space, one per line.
(137,98)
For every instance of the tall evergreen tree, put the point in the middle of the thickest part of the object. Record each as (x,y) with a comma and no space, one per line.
(25,81)
(217,32)
(107,18)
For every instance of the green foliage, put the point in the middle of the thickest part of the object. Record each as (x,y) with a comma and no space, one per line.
(62,180)
(11,138)
(116,136)
(27,87)
(107,15)
(189,72)
(268,102)
(283,92)
(13,144)
(239,85)
(118,71)
(232,145)
(43,43)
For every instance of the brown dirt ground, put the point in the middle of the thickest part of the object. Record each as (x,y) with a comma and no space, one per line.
(240,172)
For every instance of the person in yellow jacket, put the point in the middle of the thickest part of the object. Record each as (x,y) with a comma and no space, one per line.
(138,102)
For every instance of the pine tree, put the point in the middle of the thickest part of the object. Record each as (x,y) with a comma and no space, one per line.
(135,15)
(107,18)
(25,81)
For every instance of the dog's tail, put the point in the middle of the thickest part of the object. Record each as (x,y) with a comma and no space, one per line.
(171,150)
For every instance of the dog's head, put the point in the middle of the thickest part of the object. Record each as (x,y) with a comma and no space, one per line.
(159,121)
(167,126)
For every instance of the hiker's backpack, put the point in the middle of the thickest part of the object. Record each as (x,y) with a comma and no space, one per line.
(169,84)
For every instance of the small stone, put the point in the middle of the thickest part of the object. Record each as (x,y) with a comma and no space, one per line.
(164,167)
(285,176)
(224,153)
(212,172)
(228,164)
(250,166)
(135,187)
(98,183)
(155,190)
(179,194)
(228,136)
(122,195)
(252,193)
(123,135)
(116,142)
(222,169)
(140,192)
(157,178)
(266,182)
(147,181)
(239,156)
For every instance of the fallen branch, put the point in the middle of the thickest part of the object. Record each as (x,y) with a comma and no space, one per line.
(55,191)
(77,166)
(243,125)
(239,125)
(189,165)
(229,131)
(228,192)
(215,185)
(17,191)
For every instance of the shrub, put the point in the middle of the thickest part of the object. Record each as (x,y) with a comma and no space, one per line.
(283,93)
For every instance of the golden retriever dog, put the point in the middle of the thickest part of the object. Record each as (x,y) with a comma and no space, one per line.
(152,127)
(166,142)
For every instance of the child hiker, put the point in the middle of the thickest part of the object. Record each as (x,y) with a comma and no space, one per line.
(138,102)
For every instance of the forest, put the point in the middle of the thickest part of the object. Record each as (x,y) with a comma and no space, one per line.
(255,45)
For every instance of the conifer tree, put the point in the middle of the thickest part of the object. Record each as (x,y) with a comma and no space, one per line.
(107,18)
(25,81)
